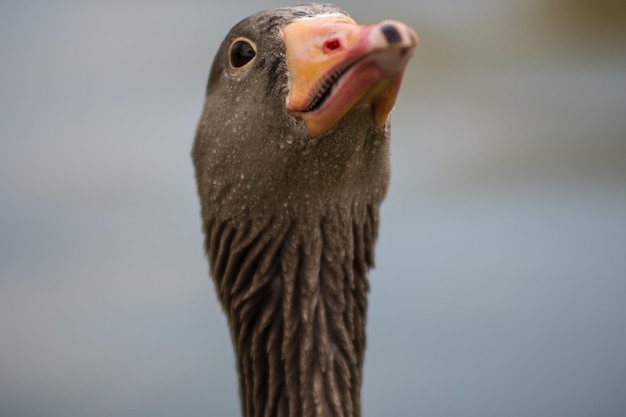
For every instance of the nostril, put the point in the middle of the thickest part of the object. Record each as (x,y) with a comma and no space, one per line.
(331,44)
(391,33)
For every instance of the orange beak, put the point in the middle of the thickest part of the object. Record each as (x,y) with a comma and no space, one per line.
(335,64)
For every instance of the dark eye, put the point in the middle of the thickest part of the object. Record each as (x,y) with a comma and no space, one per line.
(241,52)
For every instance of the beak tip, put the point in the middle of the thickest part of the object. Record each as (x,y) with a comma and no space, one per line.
(394,34)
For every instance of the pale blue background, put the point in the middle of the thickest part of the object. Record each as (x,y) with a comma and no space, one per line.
(500,287)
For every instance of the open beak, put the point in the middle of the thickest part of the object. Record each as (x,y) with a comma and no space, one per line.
(335,64)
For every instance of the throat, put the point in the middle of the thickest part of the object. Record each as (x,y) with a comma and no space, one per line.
(295,293)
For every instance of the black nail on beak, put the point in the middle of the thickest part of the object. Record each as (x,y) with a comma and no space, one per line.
(391,34)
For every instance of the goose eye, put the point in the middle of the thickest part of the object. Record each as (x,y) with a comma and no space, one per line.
(241,52)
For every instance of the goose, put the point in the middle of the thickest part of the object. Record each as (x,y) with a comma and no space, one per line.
(291,159)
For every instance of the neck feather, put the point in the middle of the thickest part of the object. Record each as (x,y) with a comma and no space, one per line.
(295,294)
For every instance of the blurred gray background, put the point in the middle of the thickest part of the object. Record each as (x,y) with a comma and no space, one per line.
(500,287)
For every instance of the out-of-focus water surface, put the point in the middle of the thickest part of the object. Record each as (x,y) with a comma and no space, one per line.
(501,262)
